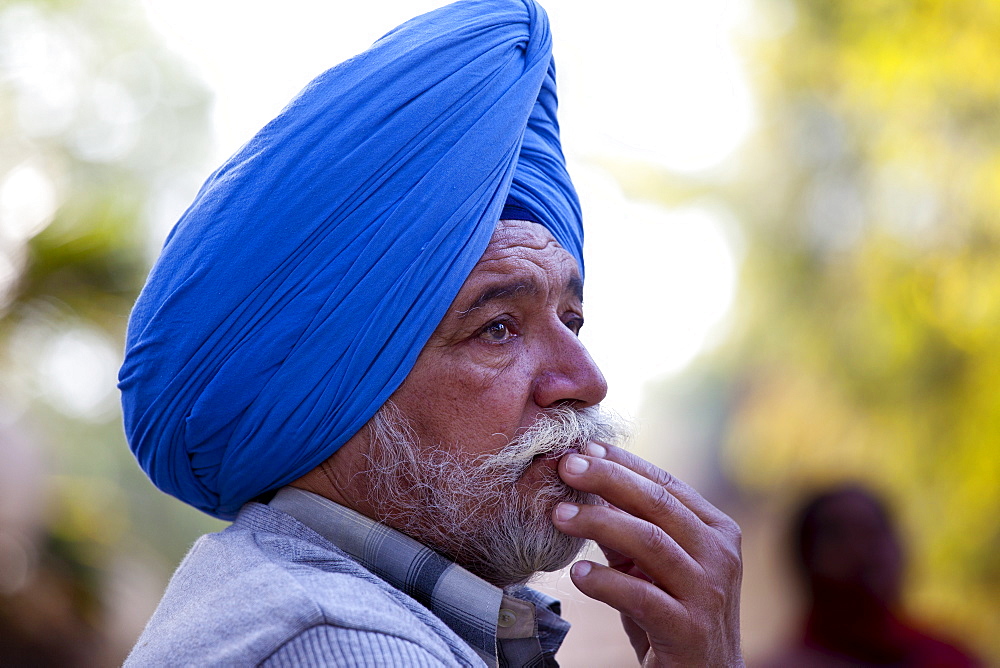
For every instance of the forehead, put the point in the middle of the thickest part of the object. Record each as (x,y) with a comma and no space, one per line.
(522,245)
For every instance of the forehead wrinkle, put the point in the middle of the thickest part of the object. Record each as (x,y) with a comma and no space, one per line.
(525,260)
(500,292)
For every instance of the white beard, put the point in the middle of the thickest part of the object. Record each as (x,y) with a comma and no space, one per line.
(473,511)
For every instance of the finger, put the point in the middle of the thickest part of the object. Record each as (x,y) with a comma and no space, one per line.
(616,560)
(623,563)
(654,555)
(647,607)
(684,493)
(637,638)
(637,496)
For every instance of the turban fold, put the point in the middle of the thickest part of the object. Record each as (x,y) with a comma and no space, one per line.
(294,295)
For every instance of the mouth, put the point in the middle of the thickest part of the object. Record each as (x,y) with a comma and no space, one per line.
(550,460)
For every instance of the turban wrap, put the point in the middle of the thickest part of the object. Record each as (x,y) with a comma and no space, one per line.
(294,295)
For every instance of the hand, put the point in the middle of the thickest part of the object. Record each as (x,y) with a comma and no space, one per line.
(674,564)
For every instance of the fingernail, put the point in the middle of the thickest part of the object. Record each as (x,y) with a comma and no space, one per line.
(581,569)
(596,450)
(576,464)
(566,511)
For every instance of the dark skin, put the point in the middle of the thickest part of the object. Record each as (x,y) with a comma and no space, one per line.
(507,350)
(674,564)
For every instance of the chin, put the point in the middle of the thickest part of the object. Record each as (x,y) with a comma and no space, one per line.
(527,543)
(551,554)
(572,550)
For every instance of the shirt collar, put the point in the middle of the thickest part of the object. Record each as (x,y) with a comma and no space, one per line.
(512,629)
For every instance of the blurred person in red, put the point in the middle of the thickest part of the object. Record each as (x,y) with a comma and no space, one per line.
(851,562)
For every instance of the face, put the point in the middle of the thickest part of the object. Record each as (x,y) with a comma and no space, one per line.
(855,550)
(506,350)
(463,457)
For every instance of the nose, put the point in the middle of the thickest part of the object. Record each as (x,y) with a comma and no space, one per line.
(567,374)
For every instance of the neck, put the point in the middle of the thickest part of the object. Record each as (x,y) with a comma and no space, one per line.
(340,477)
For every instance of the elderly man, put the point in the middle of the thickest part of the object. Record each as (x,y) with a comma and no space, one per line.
(360,344)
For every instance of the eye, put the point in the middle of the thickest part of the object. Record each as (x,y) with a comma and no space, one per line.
(575,324)
(498,331)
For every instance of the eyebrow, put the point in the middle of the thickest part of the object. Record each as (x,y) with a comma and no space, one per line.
(503,291)
(574,287)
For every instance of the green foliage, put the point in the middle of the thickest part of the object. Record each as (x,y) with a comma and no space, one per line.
(867,338)
(868,341)
(98,125)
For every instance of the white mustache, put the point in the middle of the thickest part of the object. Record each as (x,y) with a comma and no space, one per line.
(470,507)
(556,431)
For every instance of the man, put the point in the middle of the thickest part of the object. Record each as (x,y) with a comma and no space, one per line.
(373,309)
(851,562)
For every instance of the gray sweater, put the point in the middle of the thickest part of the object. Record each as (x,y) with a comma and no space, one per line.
(270,591)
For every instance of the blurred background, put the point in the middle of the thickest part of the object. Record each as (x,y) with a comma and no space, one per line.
(793,277)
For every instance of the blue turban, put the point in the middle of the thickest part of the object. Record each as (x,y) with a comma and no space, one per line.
(294,295)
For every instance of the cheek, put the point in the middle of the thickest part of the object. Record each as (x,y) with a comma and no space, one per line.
(480,408)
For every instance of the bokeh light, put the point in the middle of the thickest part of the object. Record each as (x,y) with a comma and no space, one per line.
(791,263)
